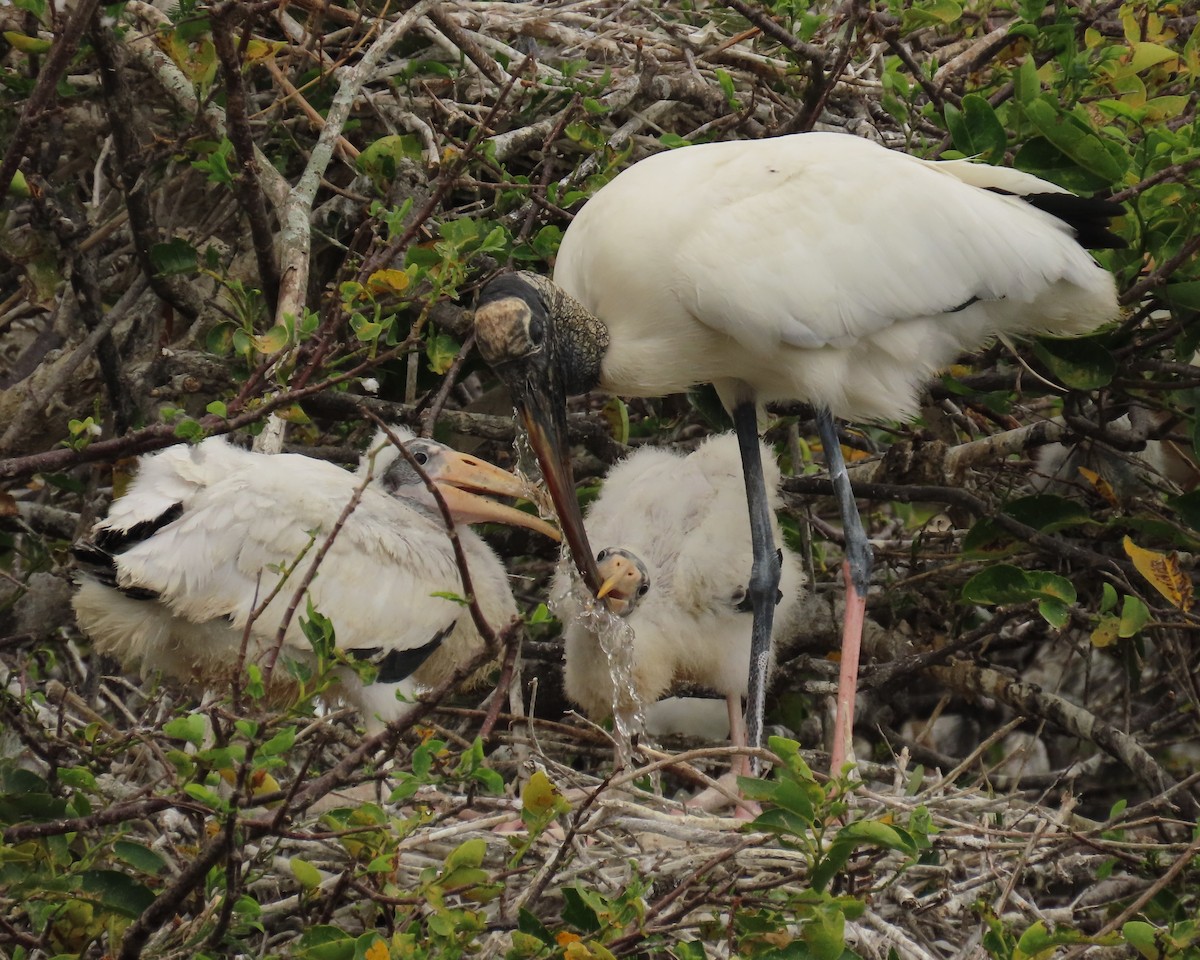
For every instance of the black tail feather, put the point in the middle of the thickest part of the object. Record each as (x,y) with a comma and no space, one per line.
(1090,217)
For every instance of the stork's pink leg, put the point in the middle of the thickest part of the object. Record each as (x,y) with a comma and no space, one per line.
(852,629)
(857,571)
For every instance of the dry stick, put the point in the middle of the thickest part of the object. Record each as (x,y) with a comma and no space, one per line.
(824,84)
(45,89)
(821,486)
(534,891)
(62,372)
(165,905)
(246,182)
(502,683)
(448,381)
(163,434)
(466,43)
(131,167)
(1146,895)
(1030,700)
(120,813)
(296,237)
(86,285)
(761,19)
(1162,273)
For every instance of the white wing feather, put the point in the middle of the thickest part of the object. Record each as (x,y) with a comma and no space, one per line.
(800,263)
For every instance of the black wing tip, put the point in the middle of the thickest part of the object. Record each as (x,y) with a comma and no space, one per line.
(99,565)
(397,665)
(114,541)
(1090,217)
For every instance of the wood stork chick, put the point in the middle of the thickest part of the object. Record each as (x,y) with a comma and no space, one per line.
(205,533)
(676,555)
(819,267)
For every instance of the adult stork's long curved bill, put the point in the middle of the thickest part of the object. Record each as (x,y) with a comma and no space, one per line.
(819,267)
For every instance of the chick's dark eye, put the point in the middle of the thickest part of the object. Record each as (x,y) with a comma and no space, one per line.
(643,589)
(421,458)
(601,555)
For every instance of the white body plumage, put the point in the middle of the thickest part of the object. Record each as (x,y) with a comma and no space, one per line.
(684,518)
(223,523)
(819,267)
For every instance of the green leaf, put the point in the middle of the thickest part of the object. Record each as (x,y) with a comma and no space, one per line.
(27,44)
(1047,512)
(1134,615)
(324,943)
(529,924)
(976,129)
(1003,583)
(380,159)
(217,409)
(139,856)
(79,777)
(173,258)
(1026,85)
(468,854)
(1185,294)
(1054,612)
(1143,937)
(282,742)
(191,728)
(117,891)
(442,350)
(305,873)
(1108,598)
(1074,139)
(1079,364)
(202,794)
(576,910)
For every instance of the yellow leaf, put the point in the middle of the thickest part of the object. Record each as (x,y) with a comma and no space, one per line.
(1100,485)
(1162,571)
(1106,632)
(259,50)
(540,796)
(262,783)
(1146,55)
(293,413)
(26,44)
(377,951)
(387,281)
(563,937)
(273,340)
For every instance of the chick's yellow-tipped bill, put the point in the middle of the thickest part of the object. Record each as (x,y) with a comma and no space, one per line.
(608,586)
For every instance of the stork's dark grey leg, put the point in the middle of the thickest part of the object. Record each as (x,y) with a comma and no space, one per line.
(763,589)
(857,571)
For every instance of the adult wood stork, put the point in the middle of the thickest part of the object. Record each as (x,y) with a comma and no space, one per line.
(205,534)
(676,553)
(819,267)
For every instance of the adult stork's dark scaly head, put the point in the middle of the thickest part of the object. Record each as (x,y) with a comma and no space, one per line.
(545,347)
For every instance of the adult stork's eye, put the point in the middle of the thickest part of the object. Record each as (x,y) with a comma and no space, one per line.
(537,331)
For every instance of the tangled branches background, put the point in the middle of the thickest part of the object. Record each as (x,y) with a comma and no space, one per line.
(217,211)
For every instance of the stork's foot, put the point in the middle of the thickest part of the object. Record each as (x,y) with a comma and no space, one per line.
(714,799)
